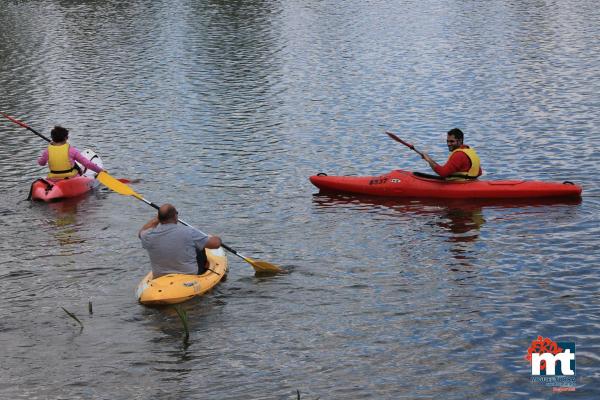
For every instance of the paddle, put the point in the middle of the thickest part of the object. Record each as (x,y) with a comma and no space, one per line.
(24,125)
(121,188)
(410,146)
(16,121)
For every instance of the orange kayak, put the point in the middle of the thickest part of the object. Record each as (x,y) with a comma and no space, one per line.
(401,183)
(45,189)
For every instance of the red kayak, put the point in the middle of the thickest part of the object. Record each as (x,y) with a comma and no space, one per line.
(401,183)
(45,189)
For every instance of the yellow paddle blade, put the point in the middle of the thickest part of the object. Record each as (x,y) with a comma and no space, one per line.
(115,185)
(263,266)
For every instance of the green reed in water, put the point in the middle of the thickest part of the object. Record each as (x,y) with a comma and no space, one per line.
(70,314)
(184,321)
(298,392)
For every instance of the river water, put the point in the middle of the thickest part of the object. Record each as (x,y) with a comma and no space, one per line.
(225,108)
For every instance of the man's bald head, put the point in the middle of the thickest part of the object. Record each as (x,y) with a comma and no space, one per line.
(167,213)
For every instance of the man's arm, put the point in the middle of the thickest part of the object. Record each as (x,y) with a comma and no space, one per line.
(202,240)
(459,162)
(430,161)
(213,242)
(153,223)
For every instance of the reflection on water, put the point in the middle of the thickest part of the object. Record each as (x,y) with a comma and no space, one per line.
(462,218)
(64,220)
(457,217)
(462,221)
(459,222)
(62,227)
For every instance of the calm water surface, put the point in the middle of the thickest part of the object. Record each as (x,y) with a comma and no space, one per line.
(225,108)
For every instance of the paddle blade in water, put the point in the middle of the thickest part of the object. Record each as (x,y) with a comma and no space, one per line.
(263,266)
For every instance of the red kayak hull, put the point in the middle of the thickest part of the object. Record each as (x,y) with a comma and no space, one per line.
(51,190)
(401,183)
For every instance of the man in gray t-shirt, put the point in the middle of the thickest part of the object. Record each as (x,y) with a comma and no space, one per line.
(173,248)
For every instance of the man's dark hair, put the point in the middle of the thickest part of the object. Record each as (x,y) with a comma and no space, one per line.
(59,133)
(457,133)
(166,213)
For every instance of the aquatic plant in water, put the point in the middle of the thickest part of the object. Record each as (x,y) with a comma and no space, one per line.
(184,321)
(70,314)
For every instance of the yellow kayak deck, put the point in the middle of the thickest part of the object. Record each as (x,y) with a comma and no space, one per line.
(177,288)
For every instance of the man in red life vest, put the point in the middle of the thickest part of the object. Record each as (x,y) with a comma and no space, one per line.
(463,162)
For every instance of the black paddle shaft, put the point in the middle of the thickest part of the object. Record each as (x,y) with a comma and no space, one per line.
(39,134)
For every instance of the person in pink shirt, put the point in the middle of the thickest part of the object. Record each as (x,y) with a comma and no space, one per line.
(61,157)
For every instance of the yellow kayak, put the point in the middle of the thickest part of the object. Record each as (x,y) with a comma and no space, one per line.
(177,288)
